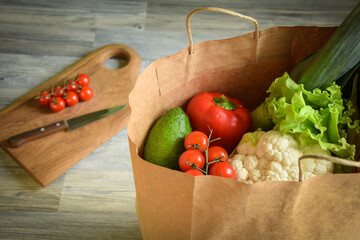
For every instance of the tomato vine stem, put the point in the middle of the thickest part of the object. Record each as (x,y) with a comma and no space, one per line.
(207,152)
(62,89)
(193,165)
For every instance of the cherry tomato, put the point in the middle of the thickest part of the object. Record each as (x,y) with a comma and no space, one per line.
(82,79)
(57,104)
(58,91)
(196,138)
(86,93)
(194,172)
(222,169)
(193,157)
(71,98)
(217,153)
(44,101)
(71,86)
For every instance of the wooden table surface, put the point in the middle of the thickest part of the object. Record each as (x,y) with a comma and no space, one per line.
(96,198)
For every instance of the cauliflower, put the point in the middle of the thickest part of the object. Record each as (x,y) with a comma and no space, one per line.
(273,156)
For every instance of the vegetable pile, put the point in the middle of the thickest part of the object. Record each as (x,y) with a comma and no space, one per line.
(310,111)
(67,94)
(183,141)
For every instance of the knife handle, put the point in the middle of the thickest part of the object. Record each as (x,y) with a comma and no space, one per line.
(25,137)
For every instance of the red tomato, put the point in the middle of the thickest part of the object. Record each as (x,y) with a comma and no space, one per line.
(217,153)
(71,98)
(198,139)
(222,169)
(71,86)
(190,157)
(86,93)
(44,99)
(194,172)
(82,79)
(227,117)
(57,104)
(58,91)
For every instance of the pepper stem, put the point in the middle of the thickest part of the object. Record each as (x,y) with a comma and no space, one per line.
(223,102)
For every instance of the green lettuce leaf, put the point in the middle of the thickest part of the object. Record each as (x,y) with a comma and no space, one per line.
(313,116)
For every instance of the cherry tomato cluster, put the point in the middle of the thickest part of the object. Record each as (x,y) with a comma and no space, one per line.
(68,94)
(200,159)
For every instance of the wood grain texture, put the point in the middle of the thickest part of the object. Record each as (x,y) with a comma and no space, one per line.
(95,199)
(49,225)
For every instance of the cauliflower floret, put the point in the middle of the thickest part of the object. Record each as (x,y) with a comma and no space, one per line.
(273,156)
(249,142)
(312,167)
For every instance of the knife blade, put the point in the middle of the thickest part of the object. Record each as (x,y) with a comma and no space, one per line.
(69,124)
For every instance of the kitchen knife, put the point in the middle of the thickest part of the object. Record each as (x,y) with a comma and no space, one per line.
(69,124)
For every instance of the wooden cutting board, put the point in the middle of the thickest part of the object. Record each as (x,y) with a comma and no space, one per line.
(47,158)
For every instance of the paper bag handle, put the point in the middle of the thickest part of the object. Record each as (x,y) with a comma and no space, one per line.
(328,158)
(221,10)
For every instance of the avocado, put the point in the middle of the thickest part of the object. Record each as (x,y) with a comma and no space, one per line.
(165,142)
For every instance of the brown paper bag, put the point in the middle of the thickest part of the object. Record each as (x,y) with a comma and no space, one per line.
(173,205)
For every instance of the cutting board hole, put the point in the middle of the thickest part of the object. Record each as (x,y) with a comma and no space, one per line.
(115,62)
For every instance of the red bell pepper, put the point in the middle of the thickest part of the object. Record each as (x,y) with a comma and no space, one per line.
(227,117)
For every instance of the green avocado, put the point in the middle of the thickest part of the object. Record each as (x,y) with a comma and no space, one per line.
(165,142)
